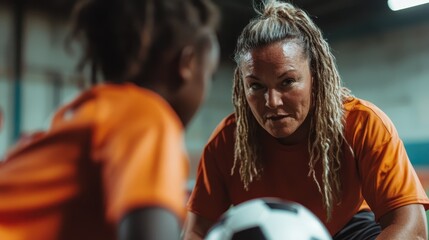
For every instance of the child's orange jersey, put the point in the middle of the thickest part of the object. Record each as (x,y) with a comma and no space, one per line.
(112,150)
(380,172)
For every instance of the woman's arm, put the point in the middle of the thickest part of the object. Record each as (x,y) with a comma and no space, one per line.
(407,222)
(196,227)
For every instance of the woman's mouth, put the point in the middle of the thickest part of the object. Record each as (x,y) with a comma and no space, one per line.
(275,117)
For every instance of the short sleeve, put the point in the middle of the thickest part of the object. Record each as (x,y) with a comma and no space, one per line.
(388,178)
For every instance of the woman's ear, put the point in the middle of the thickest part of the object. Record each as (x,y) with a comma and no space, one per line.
(187,63)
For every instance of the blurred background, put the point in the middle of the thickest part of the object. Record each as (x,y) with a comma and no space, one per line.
(382,55)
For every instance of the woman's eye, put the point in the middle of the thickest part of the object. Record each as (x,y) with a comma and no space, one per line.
(255,86)
(288,82)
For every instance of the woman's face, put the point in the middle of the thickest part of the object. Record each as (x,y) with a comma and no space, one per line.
(278,82)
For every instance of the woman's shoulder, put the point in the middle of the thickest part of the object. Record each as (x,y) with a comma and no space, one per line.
(130,102)
(364,109)
(129,96)
(361,105)
(118,106)
(225,130)
(368,119)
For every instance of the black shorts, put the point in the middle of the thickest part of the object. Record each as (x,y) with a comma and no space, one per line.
(361,227)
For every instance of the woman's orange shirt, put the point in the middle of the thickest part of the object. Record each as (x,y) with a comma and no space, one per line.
(379,173)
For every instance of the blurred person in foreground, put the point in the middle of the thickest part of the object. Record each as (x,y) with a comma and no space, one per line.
(299,135)
(112,164)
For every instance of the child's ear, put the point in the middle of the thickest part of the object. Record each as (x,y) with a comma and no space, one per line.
(187,63)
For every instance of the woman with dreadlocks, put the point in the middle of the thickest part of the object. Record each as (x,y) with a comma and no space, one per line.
(297,134)
(112,164)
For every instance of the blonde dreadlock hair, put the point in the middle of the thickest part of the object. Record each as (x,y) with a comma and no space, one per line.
(279,21)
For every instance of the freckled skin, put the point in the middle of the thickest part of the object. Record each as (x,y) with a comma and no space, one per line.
(278,82)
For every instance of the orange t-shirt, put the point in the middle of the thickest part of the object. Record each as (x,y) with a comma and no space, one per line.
(380,172)
(112,150)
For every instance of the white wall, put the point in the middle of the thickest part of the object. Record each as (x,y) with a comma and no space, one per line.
(392,71)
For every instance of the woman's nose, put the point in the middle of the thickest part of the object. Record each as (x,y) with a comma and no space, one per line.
(273,98)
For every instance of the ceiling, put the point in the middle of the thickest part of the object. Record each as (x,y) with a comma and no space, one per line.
(338,19)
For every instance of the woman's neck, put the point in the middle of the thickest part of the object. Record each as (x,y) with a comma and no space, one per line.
(300,135)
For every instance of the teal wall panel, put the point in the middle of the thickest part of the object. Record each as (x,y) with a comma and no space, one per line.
(418,153)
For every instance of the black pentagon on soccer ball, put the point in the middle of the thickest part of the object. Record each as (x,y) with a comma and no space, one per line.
(282,206)
(253,233)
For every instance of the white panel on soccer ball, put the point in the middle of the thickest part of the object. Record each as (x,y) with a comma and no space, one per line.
(269,218)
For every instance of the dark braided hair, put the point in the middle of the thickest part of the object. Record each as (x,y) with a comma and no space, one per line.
(280,21)
(125,39)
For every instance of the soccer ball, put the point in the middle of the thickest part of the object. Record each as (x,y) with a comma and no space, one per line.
(268,219)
